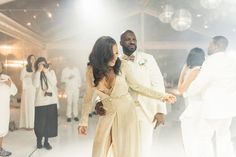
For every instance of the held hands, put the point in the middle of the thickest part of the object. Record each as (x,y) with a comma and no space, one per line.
(99,109)
(159,118)
(169,98)
(82,130)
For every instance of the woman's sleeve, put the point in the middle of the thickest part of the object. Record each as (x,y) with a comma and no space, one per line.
(87,100)
(134,85)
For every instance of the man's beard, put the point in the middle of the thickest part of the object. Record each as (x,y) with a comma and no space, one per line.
(128,51)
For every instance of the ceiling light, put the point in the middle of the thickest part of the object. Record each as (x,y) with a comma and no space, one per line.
(28,24)
(182,20)
(167,13)
(34,16)
(49,14)
(199,15)
(205,26)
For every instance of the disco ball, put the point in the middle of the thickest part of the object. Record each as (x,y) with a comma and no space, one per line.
(167,13)
(182,20)
(210,4)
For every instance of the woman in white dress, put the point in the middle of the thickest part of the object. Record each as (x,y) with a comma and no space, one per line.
(28,95)
(190,116)
(7,88)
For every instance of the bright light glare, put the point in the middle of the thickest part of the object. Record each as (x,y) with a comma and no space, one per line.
(91,9)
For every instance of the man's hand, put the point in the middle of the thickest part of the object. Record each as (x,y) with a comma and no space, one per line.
(159,118)
(99,109)
(169,98)
(82,130)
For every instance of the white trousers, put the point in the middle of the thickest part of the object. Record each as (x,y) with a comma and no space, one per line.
(146,129)
(190,135)
(72,103)
(221,129)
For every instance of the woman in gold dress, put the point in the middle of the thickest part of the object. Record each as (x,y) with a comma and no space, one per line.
(117,132)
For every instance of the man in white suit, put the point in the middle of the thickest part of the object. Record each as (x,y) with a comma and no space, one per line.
(146,71)
(71,78)
(216,83)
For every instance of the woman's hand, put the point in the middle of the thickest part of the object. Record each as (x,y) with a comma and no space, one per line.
(82,130)
(169,98)
(41,67)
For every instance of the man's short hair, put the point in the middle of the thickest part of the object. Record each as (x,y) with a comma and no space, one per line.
(124,33)
(221,42)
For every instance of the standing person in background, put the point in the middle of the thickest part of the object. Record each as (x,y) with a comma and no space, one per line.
(46,122)
(192,113)
(72,79)
(146,71)
(216,82)
(28,95)
(7,88)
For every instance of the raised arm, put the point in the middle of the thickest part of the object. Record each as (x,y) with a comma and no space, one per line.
(133,84)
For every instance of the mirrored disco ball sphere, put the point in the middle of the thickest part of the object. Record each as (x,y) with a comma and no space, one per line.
(166,14)
(182,20)
(210,4)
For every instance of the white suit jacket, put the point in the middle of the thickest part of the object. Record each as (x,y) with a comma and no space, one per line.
(146,71)
(74,83)
(216,83)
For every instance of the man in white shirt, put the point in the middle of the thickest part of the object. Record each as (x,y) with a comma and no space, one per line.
(216,83)
(146,71)
(71,78)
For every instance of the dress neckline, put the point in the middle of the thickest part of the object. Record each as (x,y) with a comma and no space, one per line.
(112,89)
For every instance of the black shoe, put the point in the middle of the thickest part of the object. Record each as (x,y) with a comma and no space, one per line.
(76,119)
(68,120)
(39,145)
(47,146)
(4,152)
(90,115)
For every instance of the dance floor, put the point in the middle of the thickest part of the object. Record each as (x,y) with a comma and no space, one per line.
(166,141)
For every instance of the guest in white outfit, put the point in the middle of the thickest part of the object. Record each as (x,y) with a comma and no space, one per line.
(146,71)
(28,95)
(72,79)
(7,88)
(217,86)
(45,122)
(190,116)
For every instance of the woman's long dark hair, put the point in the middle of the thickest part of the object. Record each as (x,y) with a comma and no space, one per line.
(43,78)
(196,57)
(29,64)
(101,54)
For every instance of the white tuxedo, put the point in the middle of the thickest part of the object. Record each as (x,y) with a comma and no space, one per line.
(216,83)
(72,89)
(146,72)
